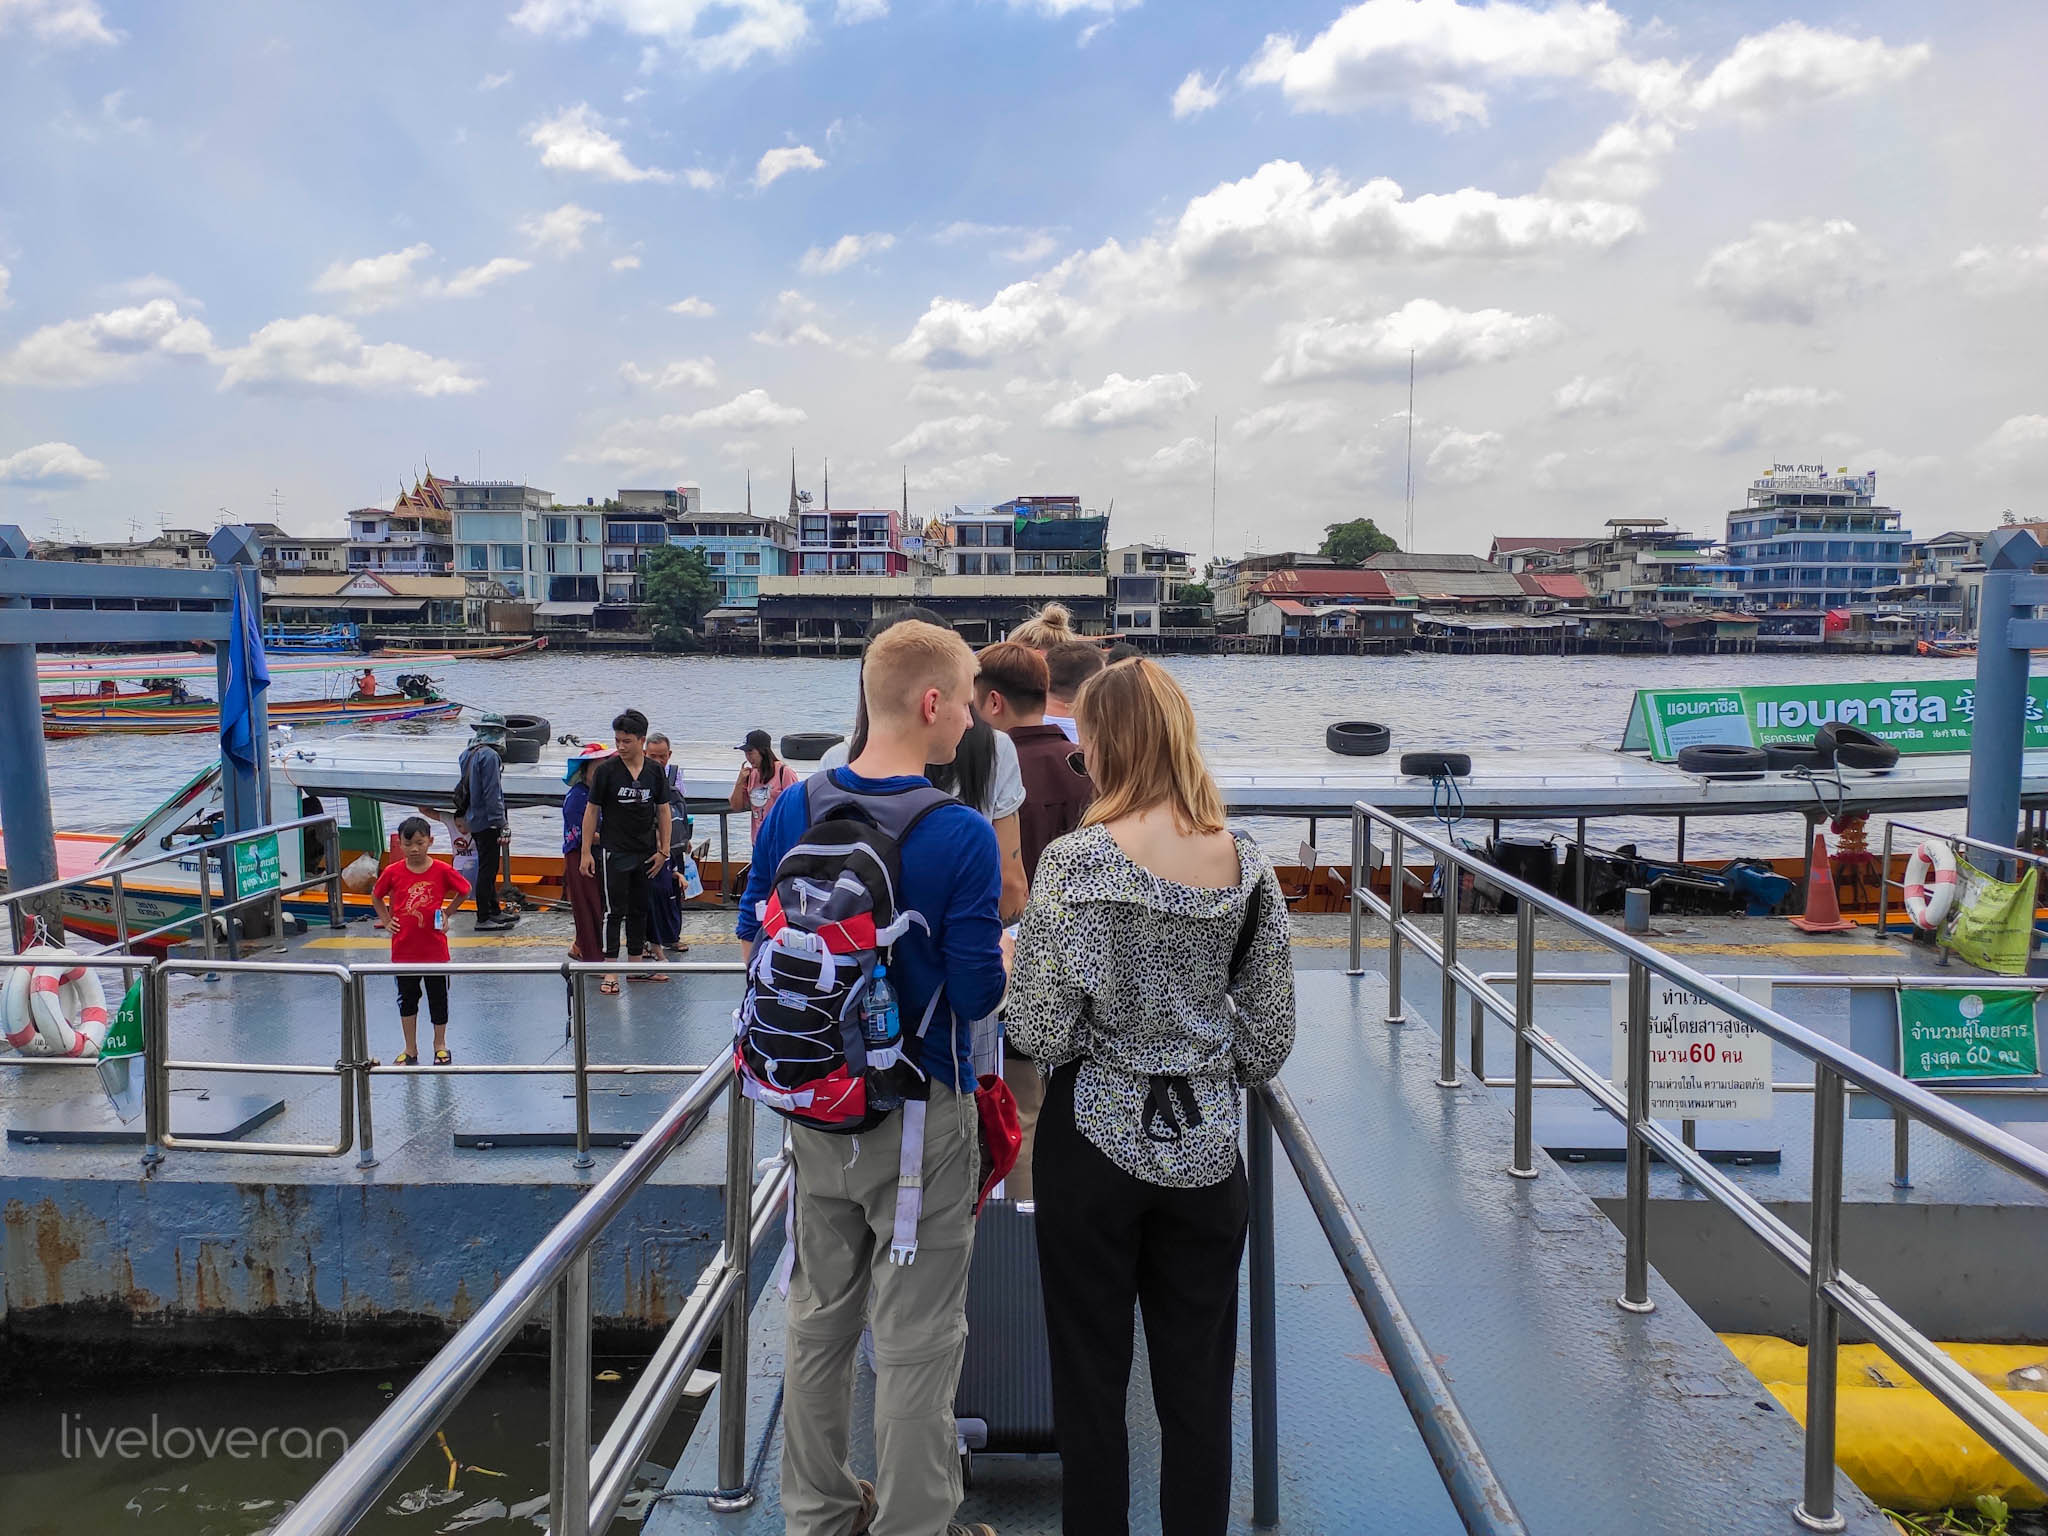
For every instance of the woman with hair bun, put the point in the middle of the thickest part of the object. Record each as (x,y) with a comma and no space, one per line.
(1052,625)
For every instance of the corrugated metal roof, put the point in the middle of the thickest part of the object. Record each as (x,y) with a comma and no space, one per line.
(1486,581)
(1396,561)
(1326,583)
(1558,584)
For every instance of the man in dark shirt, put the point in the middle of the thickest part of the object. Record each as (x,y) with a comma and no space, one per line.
(486,820)
(626,826)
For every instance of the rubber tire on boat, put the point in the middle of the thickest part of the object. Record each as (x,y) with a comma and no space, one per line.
(1850,746)
(521,749)
(1431,765)
(527,728)
(809,746)
(1786,758)
(1722,759)
(1358,738)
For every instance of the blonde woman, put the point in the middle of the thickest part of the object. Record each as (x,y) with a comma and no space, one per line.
(1154,982)
(1052,625)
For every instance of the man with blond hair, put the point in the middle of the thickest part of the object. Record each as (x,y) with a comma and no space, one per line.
(917,681)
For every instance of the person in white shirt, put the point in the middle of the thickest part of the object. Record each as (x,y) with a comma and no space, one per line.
(1068,664)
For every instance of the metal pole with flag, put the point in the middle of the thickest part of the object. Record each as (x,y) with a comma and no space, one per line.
(244,676)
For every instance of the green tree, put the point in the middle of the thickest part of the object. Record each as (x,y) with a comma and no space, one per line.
(676,587)
(1356,542)
(1194,592)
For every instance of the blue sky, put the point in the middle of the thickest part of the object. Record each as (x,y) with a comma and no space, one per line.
(262,256)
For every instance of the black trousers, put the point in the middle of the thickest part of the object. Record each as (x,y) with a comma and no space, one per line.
(487,851)
(625,901)
(437,998)
(1105,1241)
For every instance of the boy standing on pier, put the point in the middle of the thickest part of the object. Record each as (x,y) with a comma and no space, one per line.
(916,684)
(626,827)
(413,899)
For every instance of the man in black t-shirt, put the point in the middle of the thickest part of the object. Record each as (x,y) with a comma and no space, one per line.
(626,826)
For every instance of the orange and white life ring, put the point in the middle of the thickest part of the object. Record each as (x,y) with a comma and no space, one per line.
(59,1009)
(1930,883)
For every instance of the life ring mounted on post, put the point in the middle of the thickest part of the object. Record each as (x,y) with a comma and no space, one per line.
(1930,883)
(57,1008)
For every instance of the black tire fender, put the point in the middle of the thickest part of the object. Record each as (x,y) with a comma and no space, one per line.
(1431,765)
(809,746)
(1358,738)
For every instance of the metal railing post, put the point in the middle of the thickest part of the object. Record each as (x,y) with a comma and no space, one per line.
(732,1348)
(1902,1149)
(1476,1043)
(1884,881)
(1448,875)
(1635,1295)
(1816,1510)
(1361,872)
(1265,1324)
(337,909)
(579,1030)
(1524,1164)
(569,1402)
(120,915)
(206,901)
(1397,894)
(356,1038)
(155,1101)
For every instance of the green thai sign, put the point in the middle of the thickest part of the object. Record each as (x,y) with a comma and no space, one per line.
(256,866)
(120,1063)
(1917,718)
(1952,1032)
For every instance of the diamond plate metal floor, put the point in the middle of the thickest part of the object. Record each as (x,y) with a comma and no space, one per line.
(1599,1423)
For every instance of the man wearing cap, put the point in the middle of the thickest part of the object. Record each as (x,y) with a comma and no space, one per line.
(483,779)
(762,778)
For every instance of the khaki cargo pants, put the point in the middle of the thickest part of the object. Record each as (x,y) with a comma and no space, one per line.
(842,1282)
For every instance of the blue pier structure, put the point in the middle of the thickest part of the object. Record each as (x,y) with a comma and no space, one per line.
(59,603)
(2007,632)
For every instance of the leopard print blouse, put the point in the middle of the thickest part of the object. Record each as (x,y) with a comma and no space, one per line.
(1129,973)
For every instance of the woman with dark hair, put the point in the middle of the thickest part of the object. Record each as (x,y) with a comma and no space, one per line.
(984,773)
(762,778)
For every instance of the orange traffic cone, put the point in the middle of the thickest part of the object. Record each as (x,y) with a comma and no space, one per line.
(1823,913)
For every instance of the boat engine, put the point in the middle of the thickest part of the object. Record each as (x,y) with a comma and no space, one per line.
(415,685)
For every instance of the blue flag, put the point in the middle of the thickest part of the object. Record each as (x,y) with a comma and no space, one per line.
(248,675)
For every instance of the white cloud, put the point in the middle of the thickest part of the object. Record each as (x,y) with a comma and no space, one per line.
(980,471)
(1121,402)
(1194,95)
(693,308)
(50,465)
(715,34)
(1438,58)
(110,345)
(1797,64)
(371,283)
(471,281)
(843,253)
(1585,395)
(688,373)
(61,22)
(947,434)
(777,163)
(574,140)
(1438,336)
(1767,413)
(1012,242)
(850,12)
(625,263)
(2019,441)
(702,180)
(1021,318)
(932,392)
(1791,271)
(793,322)
(1987,269)
(492,82)
(1625,163)
(1189,459)
(1464,458)
(747,412)
(1060,8)
(559,231)
(325,352)
(1290,418)
(5,275)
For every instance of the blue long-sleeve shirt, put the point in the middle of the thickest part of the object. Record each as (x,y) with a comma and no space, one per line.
(484,770)
(952,876)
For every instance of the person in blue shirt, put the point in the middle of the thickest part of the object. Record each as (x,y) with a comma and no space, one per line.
(917,682)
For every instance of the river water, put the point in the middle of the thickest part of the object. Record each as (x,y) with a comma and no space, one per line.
(1269,704)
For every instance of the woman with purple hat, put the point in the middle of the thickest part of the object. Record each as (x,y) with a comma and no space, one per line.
(586,895)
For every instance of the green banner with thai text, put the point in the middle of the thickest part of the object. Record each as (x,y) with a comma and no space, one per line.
(256,866)
(1954,1032)
(1917,718)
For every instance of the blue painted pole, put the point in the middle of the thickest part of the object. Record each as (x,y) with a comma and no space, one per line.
(1998,728)
(31,836)
(244,794)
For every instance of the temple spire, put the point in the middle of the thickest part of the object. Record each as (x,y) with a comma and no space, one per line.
(792,483)
(750,493)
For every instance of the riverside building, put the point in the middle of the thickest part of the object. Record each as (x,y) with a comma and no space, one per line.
(1809,539)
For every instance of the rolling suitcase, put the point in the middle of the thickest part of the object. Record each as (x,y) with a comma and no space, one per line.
(1004,1402)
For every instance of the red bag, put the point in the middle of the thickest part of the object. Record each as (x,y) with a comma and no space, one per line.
(1002,1133)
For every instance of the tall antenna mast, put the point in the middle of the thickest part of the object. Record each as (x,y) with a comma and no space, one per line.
(1408,541)
(828,485)
(1215,440)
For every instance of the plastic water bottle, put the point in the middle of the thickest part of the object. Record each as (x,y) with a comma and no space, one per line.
(881,1027)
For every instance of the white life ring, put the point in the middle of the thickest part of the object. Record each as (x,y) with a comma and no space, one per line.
(1930,883)
(69,1006)
(17,1020)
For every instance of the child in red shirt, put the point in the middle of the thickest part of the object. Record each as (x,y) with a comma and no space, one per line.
(413,900)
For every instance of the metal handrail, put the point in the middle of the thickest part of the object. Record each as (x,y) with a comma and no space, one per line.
(1815,1257)
(1885,883)
(1475,1489)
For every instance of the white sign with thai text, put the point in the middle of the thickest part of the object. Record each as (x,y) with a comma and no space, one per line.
(1704,1064)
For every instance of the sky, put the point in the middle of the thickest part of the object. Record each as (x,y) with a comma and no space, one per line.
(272,262)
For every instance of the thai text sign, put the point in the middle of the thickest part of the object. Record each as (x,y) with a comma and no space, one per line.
(1704,1063)
(1951,1032)
(120,1063)
(256,866)
(1932,716)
